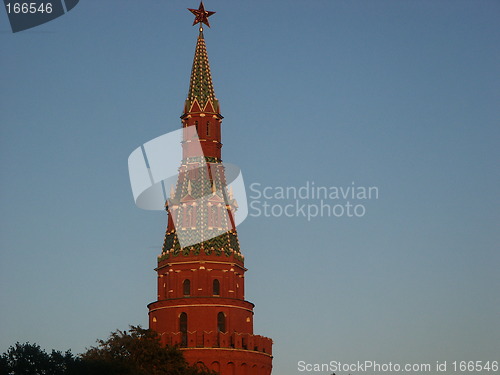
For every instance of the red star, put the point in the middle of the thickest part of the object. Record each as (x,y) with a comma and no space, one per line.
(201,15)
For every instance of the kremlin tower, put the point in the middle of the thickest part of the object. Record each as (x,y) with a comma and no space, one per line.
(201,304)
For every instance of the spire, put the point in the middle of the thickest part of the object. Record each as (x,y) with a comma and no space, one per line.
(201,89)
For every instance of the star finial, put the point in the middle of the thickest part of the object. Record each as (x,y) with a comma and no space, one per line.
(201,15)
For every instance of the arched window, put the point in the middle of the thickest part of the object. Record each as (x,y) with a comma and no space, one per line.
(183,328)
(186,287)
(216,287)
(214,210)
(221,322)
(194,133)
(188,216)
(193,217)
(215,366)
(208,128)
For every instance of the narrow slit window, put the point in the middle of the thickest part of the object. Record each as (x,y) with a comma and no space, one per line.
(183,325)
(216,287)
(186,287)
(221,322)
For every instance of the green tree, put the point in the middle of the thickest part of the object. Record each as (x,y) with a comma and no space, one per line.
(137,352)
(30,359)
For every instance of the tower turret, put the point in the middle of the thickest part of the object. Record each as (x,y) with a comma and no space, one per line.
(201,302)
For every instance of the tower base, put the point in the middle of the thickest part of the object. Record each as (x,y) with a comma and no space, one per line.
(229,361)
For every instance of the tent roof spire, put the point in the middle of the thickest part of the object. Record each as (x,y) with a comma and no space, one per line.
(201,89)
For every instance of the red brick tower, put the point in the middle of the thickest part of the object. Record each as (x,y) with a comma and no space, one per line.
(201,303)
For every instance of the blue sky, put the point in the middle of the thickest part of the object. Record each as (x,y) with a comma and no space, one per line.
(402,95)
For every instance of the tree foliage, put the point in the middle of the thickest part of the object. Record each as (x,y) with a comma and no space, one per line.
(30,359)
(139,352)
(136,352)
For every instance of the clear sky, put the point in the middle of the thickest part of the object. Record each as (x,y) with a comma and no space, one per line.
(400,95)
